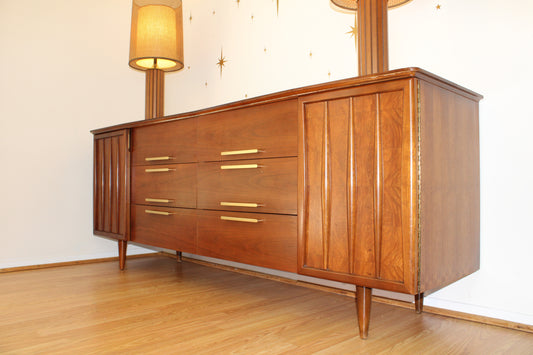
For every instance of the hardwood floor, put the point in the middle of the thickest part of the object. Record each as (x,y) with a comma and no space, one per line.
(163,307)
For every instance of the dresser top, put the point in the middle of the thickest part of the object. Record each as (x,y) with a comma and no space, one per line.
(393,75)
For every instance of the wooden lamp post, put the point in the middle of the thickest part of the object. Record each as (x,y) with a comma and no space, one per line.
(373,57)
(156,46)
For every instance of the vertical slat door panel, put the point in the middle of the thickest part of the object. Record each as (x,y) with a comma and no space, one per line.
(111,185)
(352,211)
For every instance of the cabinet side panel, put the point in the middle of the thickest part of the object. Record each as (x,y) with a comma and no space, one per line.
(449,201)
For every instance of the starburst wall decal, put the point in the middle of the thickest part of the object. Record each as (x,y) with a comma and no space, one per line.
(221,61)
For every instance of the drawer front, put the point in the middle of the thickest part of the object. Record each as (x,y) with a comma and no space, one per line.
(171,228)
(166,143)
(262,185)
(165,185)
(264,240)
(263,131)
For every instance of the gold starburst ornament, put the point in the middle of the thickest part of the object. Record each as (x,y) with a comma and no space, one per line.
(221,62)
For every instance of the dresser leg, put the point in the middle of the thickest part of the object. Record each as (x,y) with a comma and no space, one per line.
(419,302)
(363,301)
(122,245)
(178,256)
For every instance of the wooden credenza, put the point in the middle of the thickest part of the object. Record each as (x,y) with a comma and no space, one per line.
(372,181)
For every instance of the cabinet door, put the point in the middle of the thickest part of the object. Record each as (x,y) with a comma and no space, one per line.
(111,197)
(357,191)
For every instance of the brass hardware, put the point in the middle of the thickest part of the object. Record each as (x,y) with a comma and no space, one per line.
(160,200)
(157,158)
(238,152)
(234,167)
(159,170)
(238,219)
(160,213)
(240,204)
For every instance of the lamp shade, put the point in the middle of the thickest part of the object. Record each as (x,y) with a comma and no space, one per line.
(156,39)
(352,4)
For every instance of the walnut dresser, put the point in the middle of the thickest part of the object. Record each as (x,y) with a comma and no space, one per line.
(372,181)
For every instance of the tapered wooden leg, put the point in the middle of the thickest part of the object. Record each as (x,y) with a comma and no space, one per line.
(419,302)
(122,246)
(178,256)
(363,303)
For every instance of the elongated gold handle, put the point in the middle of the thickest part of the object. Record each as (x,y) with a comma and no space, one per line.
(239,219)
(239,152)
(159,200)
(160,213)
(240,204)
(158,158)
(159,170)
(235,167)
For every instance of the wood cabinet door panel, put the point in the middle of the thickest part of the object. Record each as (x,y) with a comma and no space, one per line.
(165,143)
(151,226)
(357,186)
(164,185)
(270,242)
(271,187)
(263,131)
(111,195)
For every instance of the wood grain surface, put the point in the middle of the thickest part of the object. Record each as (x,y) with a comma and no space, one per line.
(160,306)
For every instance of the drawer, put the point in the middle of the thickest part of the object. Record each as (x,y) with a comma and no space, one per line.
(164,185)
(265,240)
(171,142)
(263,131)
(261,185)
(171,228)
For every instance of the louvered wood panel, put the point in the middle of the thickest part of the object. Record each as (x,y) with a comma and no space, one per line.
(357,177)
(111,185)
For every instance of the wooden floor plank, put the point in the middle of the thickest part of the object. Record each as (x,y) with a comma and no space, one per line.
(160,306)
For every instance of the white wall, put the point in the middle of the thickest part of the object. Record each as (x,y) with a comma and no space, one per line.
(63,71)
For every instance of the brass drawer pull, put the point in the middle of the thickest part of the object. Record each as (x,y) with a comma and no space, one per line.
(239,219)
(158,158)
(240,204)
(160,213)
(239,152)
(160,200)
(235,167)
(158,170)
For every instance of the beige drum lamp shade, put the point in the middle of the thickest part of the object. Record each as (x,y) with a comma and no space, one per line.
(156,40)
(352,4)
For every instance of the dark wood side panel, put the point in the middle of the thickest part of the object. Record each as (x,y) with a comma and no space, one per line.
(449,212)
(270,243)
(176,231)
(272,186)
(357,187)
(270,128)
(111,196)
